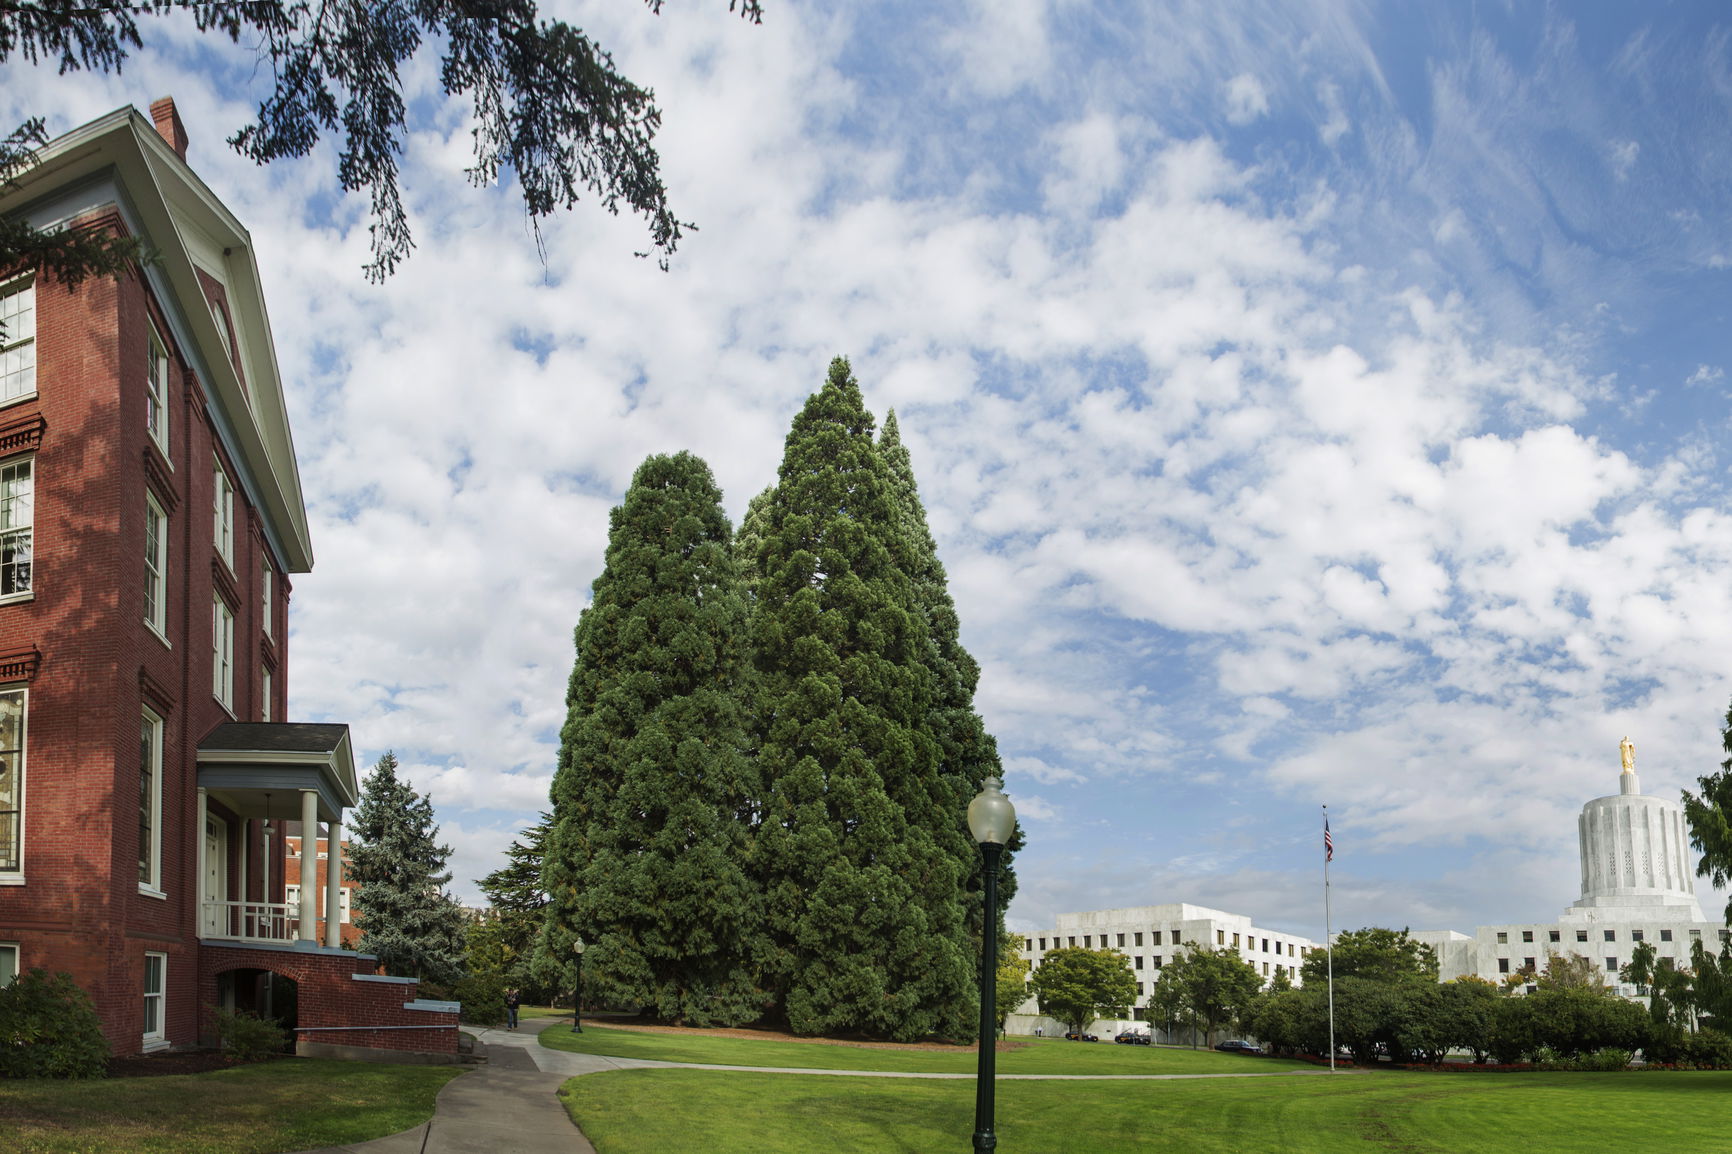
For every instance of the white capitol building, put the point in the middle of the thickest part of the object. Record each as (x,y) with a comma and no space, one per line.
(1637,886)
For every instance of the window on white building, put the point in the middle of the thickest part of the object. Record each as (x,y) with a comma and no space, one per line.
(1612,965)
(222,652)
(1635,935)
(223,515)
(11,781)
(1665,935)
(150,803)
(17,526)
(156,392)
(155,566)
(18,345)
(155,998)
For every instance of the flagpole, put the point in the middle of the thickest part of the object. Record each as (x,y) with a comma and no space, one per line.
(1328,935)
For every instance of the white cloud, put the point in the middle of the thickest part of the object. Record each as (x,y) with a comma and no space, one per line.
(1245,99)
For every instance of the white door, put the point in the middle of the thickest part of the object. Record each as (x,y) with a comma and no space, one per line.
(216,876)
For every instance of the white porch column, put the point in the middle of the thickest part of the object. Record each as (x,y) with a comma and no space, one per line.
(200,886)
(334,881)
(309,865)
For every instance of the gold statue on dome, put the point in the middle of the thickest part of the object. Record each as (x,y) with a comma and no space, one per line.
(1627,752)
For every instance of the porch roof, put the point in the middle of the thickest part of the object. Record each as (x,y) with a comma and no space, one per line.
(243,762)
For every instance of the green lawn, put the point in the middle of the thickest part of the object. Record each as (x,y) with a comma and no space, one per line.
(292,1104)
(1038,1056)
(645,1111)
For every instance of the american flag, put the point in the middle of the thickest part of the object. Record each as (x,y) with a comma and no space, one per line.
(1328,843)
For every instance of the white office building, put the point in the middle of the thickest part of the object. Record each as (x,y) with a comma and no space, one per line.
(1150,936)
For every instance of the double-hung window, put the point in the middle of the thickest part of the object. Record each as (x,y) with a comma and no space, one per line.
(11,782)
(156,392)
(8,963)
(155,995)
(150,803)
(268,593)
(17,339)
(155,566)
(265,694)
(17,525)
(223,516)
(222,652)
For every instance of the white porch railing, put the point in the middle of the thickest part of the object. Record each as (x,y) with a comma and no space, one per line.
(252,921)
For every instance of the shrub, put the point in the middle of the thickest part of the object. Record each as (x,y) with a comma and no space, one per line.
(483,998)
(246,1037)
(1607,1059)
(1708,1050)
(49,1029)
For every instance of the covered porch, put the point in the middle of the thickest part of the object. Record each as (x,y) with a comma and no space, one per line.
(253,777)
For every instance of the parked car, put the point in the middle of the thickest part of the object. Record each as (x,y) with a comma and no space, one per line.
(1133,1038)
(1238,1046)
(1081,1038)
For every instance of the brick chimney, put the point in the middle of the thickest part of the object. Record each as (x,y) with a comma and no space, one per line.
(168,124)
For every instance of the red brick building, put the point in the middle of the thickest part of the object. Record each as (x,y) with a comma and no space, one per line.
(349,933)
(151,519)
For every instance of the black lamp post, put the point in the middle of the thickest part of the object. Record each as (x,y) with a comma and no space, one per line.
(992,819)
(577,987)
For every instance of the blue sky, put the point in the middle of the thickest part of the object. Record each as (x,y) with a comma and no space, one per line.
(1314,404)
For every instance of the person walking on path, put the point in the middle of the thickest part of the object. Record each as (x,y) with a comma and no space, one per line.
(511,1008)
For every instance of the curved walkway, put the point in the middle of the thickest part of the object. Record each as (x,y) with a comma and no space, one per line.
(509,1105)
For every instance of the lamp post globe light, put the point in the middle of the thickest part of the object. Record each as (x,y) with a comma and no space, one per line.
(577,987)
(991,819)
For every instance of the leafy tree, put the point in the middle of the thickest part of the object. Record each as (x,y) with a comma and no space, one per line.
(864,876)
(655,798)
(1216,984)
(1011,988)
(1710,818)
(405,917)
(1464,1011)
(1572,971)
(1288,1020)
(1639,970)
(1374,953)
(547,102)
(1076,986)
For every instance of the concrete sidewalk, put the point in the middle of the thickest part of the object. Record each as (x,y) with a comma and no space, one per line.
(506,1105)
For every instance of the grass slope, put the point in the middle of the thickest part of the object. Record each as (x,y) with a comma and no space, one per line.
(1039,1056)
(644,1111)
(292,1104)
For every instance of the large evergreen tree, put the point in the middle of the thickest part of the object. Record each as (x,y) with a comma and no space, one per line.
(654,800)
(515,893)
(404,914)
(862,878)
(967,753)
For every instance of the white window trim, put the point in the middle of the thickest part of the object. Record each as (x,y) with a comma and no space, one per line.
(268,580)
(28,529)
(15,950)
(17,287)
(223,515)
(222,653)
(158,1038)
(151,742)
(15,877)
(157,393)
(265,686)
(156,582)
